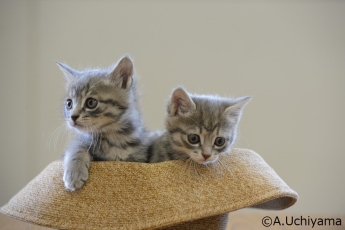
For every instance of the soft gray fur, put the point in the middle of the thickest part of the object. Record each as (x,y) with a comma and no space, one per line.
(195,124)
(101,106)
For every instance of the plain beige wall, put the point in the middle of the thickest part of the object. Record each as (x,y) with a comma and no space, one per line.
(288,55)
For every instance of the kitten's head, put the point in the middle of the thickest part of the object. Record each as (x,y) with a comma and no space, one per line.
(203,127)
(97,99)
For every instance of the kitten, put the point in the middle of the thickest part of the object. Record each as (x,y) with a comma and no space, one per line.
(198,127)
(101,106)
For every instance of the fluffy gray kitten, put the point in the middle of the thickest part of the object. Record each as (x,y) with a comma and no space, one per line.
(198,127)
(101,106)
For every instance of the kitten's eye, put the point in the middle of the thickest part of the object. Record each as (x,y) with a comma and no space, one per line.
(69,104)
(220,141)
(91,103)
(193,138)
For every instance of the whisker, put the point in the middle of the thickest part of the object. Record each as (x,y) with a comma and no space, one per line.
(88,130)
(225,168)
(55,136)
(100,137)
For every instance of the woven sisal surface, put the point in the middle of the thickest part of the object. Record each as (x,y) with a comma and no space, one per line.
(123,195)
(218,222)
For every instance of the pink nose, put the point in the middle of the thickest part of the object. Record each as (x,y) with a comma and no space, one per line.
(206,156)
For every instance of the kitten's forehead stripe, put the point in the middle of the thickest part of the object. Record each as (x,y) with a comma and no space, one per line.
(99,87)
(79,90)
(86,88)
(177,130)
(217,132)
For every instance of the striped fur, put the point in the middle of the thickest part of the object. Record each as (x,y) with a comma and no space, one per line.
(101,106)
(212,119)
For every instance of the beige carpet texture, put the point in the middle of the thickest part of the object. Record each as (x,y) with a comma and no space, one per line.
(167,195)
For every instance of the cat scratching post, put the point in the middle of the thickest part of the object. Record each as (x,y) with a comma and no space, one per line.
(167,195)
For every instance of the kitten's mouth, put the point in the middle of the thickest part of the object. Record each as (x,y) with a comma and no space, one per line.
(208,162)
(85,128)
(77,125)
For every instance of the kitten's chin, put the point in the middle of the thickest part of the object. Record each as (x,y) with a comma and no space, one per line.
(79,128)
(208,161)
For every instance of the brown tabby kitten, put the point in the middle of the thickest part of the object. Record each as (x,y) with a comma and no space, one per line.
(198,127)
(101,106)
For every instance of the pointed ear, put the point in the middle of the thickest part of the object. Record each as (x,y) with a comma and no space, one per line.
(180,103)
(234,112)
(69,73)
(122,74)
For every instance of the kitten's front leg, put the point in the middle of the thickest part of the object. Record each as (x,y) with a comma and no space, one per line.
(76,169)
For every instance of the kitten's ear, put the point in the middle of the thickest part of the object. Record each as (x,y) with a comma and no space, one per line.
(180,103)
(122,74)
(69,73)
(234,112)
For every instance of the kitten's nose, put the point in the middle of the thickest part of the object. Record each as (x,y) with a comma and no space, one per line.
(206,156)
(74,117)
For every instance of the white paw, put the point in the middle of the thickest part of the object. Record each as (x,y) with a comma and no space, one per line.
(75,176)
